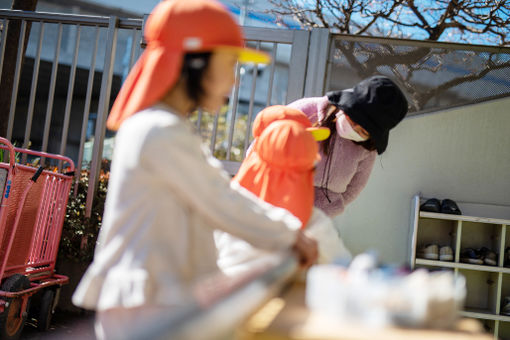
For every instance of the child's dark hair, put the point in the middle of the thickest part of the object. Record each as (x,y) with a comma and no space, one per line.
(193,68)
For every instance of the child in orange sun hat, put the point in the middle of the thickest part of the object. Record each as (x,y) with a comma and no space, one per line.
(279,169)
(167,195)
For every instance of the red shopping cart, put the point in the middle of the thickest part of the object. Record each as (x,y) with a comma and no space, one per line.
(32,211)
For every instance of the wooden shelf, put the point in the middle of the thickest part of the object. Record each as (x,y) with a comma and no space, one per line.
(467,266)
(484,314)
(439,216)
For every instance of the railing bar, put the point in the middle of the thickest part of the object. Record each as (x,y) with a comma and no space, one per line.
(133,45)
(17,74)
(86,111)
(2,47)
(139,49)
(51,94)
(252,101)
(138,52)
(33,90)
(199,119)
(330,61)
(264,34)
(102,112)
(214,132)
(127,23)
(234,110)
(70,92)
(420,43)
(271,77)
(57,18)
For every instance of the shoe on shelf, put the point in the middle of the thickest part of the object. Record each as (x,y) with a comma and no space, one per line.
(489,257)
(450,207)
(445,253)
(505,306)
(429,252)
(431,205)
(470,255)
(506,260)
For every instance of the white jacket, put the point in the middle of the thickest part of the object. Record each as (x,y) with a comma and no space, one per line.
(166,195)
(237,256)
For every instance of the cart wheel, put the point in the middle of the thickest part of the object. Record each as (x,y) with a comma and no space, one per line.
(46,310)
(12,320)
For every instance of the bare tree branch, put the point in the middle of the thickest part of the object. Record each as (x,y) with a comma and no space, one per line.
(490,66)
(472,21)
(439,20)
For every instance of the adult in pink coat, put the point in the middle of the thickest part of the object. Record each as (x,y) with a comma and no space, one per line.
(360,120)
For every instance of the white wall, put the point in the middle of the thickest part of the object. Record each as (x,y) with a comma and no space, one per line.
(462,154)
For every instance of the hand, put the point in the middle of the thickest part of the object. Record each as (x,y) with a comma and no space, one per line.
(306,249)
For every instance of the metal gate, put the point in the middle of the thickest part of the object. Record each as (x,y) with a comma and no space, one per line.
(74,66)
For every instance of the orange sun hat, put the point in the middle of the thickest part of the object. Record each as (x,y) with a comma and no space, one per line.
(280,168)
(174,28)
(278,112)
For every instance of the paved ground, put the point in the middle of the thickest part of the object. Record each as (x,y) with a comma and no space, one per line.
(63,326)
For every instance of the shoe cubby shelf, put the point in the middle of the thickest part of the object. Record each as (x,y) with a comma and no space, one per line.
(426,214)
(483,314)
(450,264)
(487,285)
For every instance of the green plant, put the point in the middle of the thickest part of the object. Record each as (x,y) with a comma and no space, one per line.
(79,233)
(4,155)
(240,130)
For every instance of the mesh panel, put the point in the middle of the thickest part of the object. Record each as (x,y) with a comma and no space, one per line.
(3,178)
(19,252)
(434,76)
(50,219)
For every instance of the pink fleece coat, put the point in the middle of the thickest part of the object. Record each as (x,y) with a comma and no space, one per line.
(351,164)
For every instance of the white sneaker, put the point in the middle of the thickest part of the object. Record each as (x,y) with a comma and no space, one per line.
(429,252)
(445,253)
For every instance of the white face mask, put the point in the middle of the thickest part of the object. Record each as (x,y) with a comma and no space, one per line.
(345,130)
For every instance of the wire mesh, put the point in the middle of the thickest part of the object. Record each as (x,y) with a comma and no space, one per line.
(433,76)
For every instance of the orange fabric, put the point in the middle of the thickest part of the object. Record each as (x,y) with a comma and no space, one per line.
(277,112)
(174,28)
(280,168)
(273,113)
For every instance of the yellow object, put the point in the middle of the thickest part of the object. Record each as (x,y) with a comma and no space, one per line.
(319,133)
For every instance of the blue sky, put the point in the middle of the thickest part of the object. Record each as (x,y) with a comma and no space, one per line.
(144,6)
(257,7)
